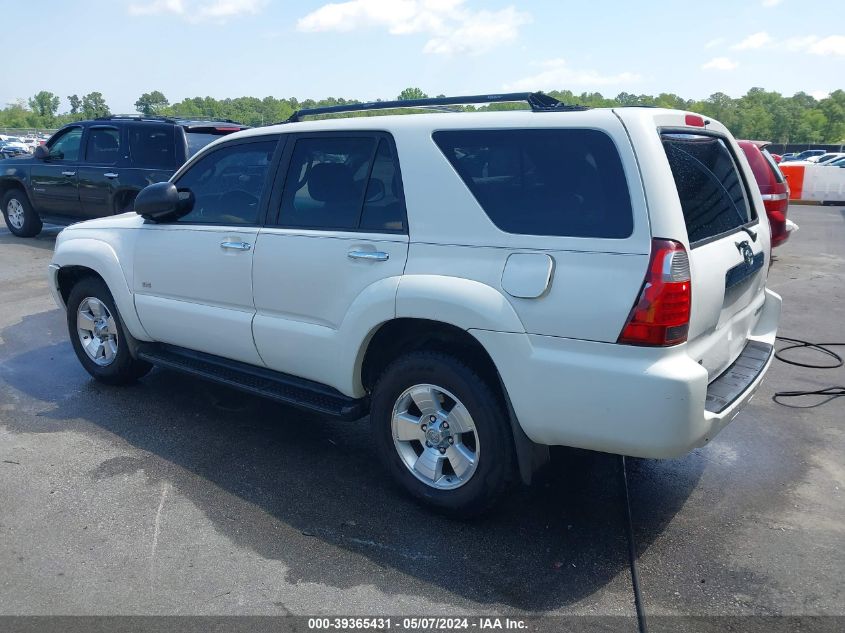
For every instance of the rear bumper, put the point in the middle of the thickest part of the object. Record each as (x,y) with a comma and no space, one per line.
(638,401)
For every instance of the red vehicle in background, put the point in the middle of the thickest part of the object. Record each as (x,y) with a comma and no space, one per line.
(773,187)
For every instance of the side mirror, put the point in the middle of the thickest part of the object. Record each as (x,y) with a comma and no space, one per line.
(160,202)
(41,152)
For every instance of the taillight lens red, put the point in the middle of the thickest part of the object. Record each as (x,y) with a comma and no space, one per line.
(662,312)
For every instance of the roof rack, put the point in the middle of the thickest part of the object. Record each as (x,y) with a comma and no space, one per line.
(537,101)
(166,119)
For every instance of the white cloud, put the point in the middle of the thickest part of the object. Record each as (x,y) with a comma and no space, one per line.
(771,3)
(815,45)
(197,10)
(556,74)
(720,63)
(757,40)
(831,45)
(452,28)
(157,7)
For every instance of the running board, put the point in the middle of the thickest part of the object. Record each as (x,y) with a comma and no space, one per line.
(290,390)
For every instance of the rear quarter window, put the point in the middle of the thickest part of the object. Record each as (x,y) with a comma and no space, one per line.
(153,146)
(710,187)
(555,182)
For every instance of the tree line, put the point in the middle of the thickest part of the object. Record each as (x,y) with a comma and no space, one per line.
(759,114)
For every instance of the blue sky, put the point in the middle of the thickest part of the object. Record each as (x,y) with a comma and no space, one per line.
(373,48)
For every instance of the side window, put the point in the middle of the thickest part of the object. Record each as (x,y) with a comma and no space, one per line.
(66,147)
(562,182)
(103,145)
(227,184)
(326,181)
(152,146)
(383,207)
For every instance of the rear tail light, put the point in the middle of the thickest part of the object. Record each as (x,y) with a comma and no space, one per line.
(776,208)
(661,314)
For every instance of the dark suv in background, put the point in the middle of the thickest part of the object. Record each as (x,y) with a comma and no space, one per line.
(92,169)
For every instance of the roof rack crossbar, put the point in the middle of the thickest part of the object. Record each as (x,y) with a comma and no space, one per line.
(537,101)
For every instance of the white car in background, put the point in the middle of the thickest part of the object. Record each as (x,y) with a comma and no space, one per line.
(483,285)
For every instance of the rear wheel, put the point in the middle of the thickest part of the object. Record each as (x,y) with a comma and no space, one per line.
(98,335)
(20,217)
(443,433)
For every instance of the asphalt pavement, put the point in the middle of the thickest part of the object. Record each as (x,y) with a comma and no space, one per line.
(178,497)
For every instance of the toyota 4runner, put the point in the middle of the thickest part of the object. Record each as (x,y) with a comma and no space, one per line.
(482,284)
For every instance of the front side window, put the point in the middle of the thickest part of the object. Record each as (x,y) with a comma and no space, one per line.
(227,184)
(66,147)
(103,145)
(559,182)
(709,185)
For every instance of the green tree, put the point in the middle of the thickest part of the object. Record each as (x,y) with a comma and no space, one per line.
(151,103)
(45,104)
(411,93)
(75,104)
(94,105)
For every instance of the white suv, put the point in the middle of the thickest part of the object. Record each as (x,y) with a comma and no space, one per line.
(483,284)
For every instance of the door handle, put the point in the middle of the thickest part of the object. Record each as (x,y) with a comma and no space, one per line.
(236,246)
(68,173)
(110,174)
(375,256)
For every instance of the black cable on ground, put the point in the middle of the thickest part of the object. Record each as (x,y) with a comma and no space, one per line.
(829,393)
(632,547)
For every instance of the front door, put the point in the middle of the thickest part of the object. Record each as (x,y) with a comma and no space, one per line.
(193,276)
(55,180)
(336,243)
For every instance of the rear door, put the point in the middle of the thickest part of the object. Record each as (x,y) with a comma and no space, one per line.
(99,171)
(336,232)
(55,181)
(729,244)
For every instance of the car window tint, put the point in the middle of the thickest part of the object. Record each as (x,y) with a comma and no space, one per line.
(103,145)
(544,182)
(326,181)
(66,147)
(383,207)
(227,184)
(709,185)
(152,146)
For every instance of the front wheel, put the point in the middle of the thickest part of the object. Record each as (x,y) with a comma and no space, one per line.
(20,217)
(443,433)
(98,335)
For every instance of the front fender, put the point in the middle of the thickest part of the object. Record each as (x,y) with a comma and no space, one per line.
(100,257)
(464,303)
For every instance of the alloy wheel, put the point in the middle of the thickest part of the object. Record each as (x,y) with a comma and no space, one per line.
(97,331)
(435,436)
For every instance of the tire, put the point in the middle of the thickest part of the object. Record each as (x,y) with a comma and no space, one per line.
(455,489)
(98,335)
(20,217)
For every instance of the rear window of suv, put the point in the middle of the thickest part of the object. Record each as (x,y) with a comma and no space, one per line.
(561,182)
(709,184)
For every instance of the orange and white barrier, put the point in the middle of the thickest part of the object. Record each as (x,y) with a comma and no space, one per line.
(817,183)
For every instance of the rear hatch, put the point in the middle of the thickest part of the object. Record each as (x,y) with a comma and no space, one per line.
(728,244)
